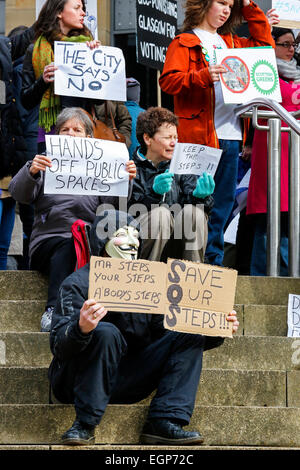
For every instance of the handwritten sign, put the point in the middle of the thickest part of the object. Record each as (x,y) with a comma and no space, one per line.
(252,73)
(134,286)
(193,297)
(294,315)
(194,159)
(97,73)
(198,298)
(288,12)
(86,166)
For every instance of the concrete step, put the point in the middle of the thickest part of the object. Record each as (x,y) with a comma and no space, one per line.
(241,352)
(179,451)
(29,385)
(122,424)
(21,285)
(21,315)
(261,320)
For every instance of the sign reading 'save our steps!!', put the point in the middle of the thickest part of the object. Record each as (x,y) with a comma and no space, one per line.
(193,297)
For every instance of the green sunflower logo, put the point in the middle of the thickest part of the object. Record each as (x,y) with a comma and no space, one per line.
(264,77)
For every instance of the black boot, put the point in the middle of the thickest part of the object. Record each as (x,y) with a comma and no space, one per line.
(79,434)
(163,431)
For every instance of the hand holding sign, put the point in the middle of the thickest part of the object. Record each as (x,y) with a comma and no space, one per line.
(90,314)
(39,163)
(215,71)
(205,186)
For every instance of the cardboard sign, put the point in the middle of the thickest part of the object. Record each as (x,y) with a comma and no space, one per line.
(133,286)
(194,298)
(194,159)
(294,315)
(198,298)
(252,73)
(86,166)
(288,12)
(156,24)
(90,20)
(97,73)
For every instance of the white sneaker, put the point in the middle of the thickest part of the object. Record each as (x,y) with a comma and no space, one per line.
(46,320)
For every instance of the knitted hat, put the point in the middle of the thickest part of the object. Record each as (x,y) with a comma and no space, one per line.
(133,90)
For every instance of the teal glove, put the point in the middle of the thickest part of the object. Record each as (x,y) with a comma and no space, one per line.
(204,187)
(163,182)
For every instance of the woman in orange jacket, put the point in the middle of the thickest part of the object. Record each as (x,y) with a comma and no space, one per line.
(191,74)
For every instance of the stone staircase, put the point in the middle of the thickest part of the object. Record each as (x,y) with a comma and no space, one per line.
(249,393)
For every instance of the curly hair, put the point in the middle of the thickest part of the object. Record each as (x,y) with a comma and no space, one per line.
(47,23)
(149,121)
(196,10)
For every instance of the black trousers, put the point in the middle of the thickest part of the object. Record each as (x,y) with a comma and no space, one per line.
(55,257)
(105,372)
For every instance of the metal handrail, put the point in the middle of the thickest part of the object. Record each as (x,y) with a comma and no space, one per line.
(274,129)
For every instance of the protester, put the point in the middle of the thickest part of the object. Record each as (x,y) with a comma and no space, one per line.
(29,121)
(51,247)
(184,234)
(289,79)
(133,106)
(120,357)
(12,142)
(192,76)
(59,20)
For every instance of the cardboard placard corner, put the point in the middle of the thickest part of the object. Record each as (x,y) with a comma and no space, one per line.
(199,297)
(293,315)
(135,286)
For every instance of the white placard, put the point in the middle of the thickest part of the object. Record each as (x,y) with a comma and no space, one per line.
(90,20)
(194,159)
(252,73)
(98,73)
(85,166)
(294,315)
(287,10)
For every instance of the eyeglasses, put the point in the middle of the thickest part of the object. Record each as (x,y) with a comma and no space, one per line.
(287,45)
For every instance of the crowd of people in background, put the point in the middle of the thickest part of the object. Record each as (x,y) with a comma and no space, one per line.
(191,75)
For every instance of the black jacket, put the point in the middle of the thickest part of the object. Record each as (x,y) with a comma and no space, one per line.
(12,143)
(181,191)
(139,330)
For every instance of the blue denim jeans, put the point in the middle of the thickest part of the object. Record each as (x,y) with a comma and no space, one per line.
(258,266)
(224,196)
(7,220)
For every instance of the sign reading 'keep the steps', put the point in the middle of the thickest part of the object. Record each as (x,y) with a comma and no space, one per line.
(156,23)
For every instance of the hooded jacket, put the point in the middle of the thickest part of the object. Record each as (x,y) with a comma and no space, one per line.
(138,330)
(12,142)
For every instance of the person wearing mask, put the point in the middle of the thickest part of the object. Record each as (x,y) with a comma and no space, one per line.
(102,357)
